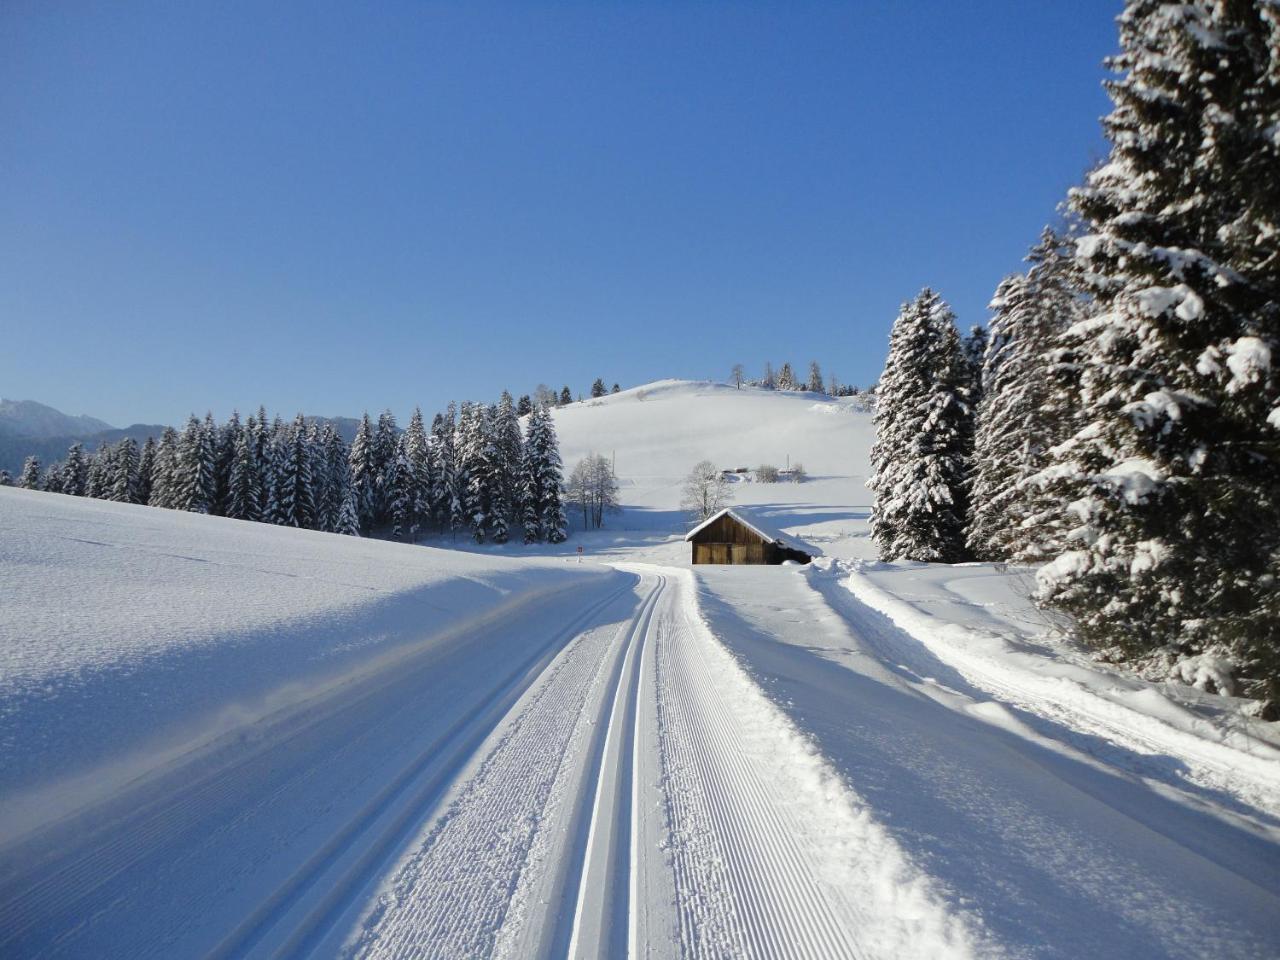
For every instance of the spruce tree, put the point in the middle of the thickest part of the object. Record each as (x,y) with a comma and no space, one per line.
(194,484)
(29,479)
(524,406)
(295,496)
(348,523)
(923,438)
(6,479)
(543,481)
(1019,418)
(815,377)
(446,494)
(364,473)
(975,351)
(415,476)
(565,396)
(786,378)
(616,389)
(146,471)
(74,476)
(598,389)
(124,472)
(1174,479)
(98,471)
(385,441)
(244,485)
(164,476)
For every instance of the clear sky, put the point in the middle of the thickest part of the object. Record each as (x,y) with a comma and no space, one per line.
(347,206)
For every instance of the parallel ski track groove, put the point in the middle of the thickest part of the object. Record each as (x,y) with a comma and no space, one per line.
(607,826)
(441,759)
(733,830)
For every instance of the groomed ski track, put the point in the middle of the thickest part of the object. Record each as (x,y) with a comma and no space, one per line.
(609,784)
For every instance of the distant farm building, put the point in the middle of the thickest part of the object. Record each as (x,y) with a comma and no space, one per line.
(733,537)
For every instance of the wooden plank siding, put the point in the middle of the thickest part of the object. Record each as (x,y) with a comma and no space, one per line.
(726,541)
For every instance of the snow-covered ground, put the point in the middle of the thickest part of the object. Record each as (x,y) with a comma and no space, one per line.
(227,739)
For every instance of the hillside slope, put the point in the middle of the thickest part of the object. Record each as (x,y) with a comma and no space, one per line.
(657,432)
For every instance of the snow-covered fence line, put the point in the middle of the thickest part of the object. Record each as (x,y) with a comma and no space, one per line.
(1093,699)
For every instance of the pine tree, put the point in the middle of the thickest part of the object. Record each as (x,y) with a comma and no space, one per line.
(51,482)
(244,485)
(364,473)
(123,481)
(416,475)
(1018,420)
(786,379)
(815,377)
(146,471)
(98,472)
(348,523)
(336,458)
(194,486)
(616,389)
(975,350)
(525,406)
(446,494)
(385,442)
(29,479)
(544,517)
(475,460)
(508,457)
(598,389)
(923,438)
(1174,479)
(164,476)
(74,476)
(400,492)
(565,396)
(295,496)
(226,439)
(6,479)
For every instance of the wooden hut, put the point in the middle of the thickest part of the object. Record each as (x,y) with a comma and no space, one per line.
(732,537)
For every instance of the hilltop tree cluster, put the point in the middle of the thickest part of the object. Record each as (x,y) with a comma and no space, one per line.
(474,471)
(1126,414)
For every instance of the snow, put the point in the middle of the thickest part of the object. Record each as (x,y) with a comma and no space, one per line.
(229,739)
(1249,360)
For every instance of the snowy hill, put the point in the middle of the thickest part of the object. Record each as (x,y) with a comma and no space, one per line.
(655,434)
(26,418)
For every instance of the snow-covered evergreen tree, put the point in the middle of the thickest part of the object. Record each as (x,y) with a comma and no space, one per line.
(924,437)
(385,440)
(364,473)
(194,483)
(29,479)
(1018,419)
(786,378)
(124,472)
(1174,480)
(146,471)
(98,472)
(294,494)
(348,523)
(524,406)
(975,351)
(815,377)
(415,475)
(74,476)
(509,456)
(244,484)
(6,479)
(543,516)
(446,495)
(565,396)
(164,476)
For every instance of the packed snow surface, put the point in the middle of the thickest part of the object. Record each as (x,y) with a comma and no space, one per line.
(234,740)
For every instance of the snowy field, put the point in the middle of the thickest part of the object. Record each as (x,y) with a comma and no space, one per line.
(228,739)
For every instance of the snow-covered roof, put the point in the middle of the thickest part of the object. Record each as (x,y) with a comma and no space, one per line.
(760,527)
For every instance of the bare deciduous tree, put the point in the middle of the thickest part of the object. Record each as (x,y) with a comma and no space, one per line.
(705,491)
(739,374)
(593,488)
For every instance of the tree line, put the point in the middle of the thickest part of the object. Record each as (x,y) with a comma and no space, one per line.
(1123,426)
(474,471)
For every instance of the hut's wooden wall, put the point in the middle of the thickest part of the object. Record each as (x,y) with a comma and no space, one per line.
(728,530)
(760,553)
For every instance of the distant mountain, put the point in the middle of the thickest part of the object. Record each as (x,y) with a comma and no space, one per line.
(25,430)
(26,418)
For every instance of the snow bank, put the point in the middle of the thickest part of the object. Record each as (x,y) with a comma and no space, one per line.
(1022,668)
(130,635)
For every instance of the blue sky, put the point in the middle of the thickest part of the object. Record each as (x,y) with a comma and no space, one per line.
(338,207)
